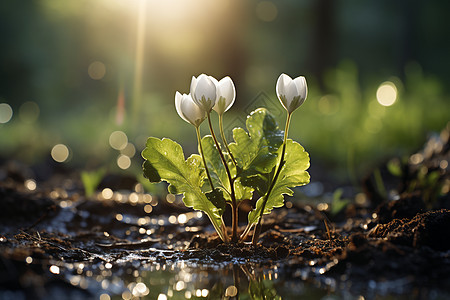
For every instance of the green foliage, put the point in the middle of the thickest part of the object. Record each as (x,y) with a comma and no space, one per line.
(214,163)
(219,174)
(338,203)
(258,168)
(256,151)
(394,167)
(423,177)
(293,173)
(361,131)
(91,180)
(262,289)
(164,160)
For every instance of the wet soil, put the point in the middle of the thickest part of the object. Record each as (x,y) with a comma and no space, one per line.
(53,238)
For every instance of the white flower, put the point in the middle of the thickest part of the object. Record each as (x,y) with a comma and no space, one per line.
(189,110)
(226,93)
(204,91)
(292,93)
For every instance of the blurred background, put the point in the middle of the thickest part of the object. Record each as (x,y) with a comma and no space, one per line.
(83,83)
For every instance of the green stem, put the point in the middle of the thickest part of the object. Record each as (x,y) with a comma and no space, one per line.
(199,138)
(245,233)
(277,173)
(234,207)
(224,139)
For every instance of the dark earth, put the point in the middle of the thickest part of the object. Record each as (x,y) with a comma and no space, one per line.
(390,242)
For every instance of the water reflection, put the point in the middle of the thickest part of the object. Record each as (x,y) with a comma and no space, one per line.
(136,277)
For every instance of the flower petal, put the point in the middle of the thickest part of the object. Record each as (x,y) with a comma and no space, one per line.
(204,92)
(226,94)
(178,100)
(292,93)
(193,113)
(302,87)
(193,86)
(189,110)
(281,88)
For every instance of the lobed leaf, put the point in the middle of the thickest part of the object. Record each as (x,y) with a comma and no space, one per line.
(292,174)
(215,166)
(256,151)
(218,172)
(164,160)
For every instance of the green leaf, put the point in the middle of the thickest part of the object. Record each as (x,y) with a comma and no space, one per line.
(242,191)
(259,289)
(164,160)
(395,168)
(91,180)
(215,166)
(292,174)
(216,198)
(338,203)
(255,151)
(219,174)
(259,182)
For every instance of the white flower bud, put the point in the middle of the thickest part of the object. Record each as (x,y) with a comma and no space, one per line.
(226,94)
(204,92)
(189,110)
(292,93)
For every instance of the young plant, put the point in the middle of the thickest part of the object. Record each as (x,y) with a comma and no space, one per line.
(91,180)
(261,161)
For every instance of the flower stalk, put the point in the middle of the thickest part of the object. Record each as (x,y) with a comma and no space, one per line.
(199,139)
(224,140)
(234,207)
(272,184)
(291,93)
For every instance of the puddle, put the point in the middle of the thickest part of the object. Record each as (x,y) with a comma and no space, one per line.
(135,277)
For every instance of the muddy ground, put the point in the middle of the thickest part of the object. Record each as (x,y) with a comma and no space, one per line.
(392,240)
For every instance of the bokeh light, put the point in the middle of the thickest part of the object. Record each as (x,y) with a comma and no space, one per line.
(60,153)
(170,198)
(6,113)
(387,93)
(123,161)
(97,70)
(231,291)
(107,193)
(129,150)
(118,140)
(182,218)
(30,184)
(104,297)
(162,297)
(148,208)
(54,269)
